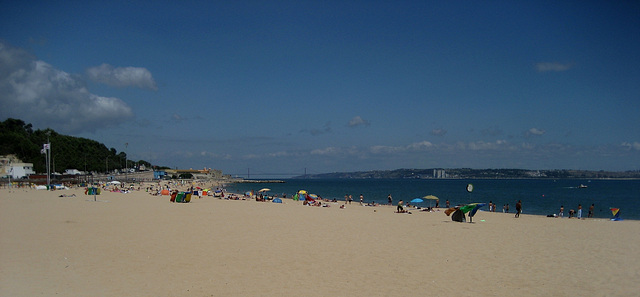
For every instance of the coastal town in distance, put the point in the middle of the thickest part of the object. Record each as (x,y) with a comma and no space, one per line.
(469,173)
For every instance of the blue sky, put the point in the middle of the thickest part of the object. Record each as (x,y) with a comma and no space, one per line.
(283,86)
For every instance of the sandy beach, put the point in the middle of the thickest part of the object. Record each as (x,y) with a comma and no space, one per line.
(137,244)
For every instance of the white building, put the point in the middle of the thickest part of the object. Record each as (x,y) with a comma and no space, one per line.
(10,165)
(439,173)
(73,172)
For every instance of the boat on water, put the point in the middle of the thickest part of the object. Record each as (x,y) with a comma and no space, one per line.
(581,186)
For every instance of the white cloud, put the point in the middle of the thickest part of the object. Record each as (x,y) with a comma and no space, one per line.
(413,147)
(535,131)
(632,146)
(122,76)
(552,66)
(438,132)
(279,154)
(420,146)
(36,92)
(176,117)
(383,149)
(481,145)
(326,151)
(358,121)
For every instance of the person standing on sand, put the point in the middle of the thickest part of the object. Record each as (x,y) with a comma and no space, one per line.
(390,199)
(579,211)
(590,215)
(561,214)
(361,199)
(518,208)
(447,203)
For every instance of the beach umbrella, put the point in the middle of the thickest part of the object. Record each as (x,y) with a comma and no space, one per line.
(431,198)
(277,200)
(264,190)
(417,200)
(471,208)
(616,214)
(302,192)
(115,182)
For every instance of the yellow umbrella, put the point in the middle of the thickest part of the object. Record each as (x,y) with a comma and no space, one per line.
(302,192)
(431,197)
(264,190)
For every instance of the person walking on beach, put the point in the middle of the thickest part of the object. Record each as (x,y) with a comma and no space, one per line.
(390,199)
(361,199)
(590,215)
(350,198)
(518,208)
(561,214)
(579,211)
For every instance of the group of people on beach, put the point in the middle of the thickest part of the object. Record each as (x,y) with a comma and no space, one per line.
(577,214)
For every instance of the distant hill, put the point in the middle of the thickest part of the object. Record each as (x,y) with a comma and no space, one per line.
(67,152)
(468,173)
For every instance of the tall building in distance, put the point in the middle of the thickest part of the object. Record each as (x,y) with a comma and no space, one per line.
(439,173)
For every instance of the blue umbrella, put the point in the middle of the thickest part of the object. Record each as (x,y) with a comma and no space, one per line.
(417,200)
(277,200)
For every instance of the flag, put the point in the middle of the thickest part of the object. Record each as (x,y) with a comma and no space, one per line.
(47,146)
(43,151)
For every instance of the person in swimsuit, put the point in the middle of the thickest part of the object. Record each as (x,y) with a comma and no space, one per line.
(400,207)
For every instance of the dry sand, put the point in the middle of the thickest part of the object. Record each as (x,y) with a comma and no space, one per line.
(141,245)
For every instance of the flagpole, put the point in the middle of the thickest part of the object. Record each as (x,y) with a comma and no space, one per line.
(48,157)
(10,173)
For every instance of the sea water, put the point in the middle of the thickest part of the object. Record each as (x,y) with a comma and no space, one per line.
(538,196)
